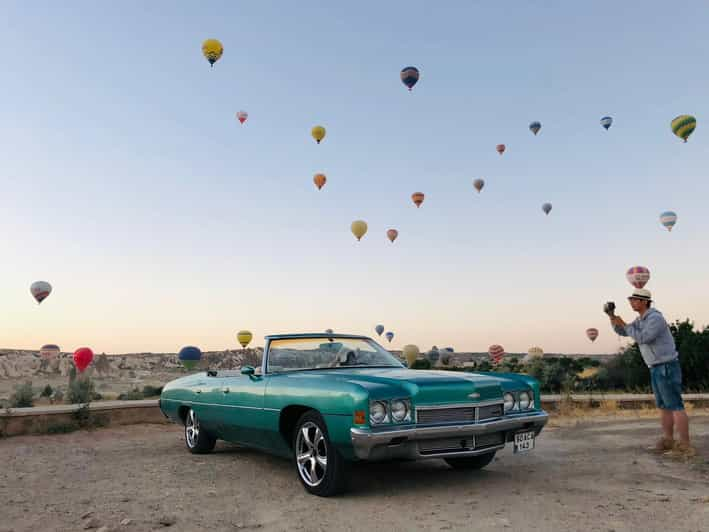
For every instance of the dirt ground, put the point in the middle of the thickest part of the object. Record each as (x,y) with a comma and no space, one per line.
(584,475)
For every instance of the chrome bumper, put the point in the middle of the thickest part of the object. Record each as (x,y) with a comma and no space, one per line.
(389,443)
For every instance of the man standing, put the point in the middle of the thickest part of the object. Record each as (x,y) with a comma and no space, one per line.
(657,347)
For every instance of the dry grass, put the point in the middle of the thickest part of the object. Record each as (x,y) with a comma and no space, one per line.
(571,413)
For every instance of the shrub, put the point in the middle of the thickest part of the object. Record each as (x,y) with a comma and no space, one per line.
(134,395)
(152,391)
(80,391)
(23,396)
(47,391)
(421,364)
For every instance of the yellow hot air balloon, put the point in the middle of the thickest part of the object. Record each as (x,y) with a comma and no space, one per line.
(244,338)
(212,50)
(318,133)
(359,228)
(411,352)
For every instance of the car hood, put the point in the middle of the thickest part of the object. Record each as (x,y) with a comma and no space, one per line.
(424,386)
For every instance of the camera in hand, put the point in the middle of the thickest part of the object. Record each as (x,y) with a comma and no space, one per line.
(609,308)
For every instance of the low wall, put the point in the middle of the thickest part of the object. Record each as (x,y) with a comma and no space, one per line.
(66,418)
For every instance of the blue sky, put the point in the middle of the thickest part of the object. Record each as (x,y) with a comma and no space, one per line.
(127,182)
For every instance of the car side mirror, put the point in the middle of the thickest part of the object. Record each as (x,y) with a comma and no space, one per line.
(248,370)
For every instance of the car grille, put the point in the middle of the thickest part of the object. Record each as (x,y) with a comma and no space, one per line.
(456,445)
(460,414)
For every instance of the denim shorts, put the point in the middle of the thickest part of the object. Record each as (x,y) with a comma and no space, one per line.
(667,384)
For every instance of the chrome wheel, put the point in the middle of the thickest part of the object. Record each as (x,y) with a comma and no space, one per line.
(191,429)
(311,454)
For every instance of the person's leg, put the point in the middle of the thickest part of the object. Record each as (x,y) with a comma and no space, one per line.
(668,424)
(667,421)
(682,422)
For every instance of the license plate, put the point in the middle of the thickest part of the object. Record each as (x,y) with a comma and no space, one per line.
(524,441)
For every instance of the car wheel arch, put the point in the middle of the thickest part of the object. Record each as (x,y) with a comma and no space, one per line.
(289,418)
(182,412)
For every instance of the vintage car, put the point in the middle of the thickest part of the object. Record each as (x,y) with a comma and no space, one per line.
(330,400)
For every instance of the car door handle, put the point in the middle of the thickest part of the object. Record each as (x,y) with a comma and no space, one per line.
(225,390)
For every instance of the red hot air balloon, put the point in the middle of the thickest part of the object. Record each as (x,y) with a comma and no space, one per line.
(392,234)
(592,334)
(82,358)
(500,148)
(638,276)
(496,353)
(242,116)
(417,198)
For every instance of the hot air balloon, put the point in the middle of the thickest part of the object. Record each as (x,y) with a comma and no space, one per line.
(49,351)
(329,331)
(82,358)
(189,356)
(318,133)
(409,76)
(319,180)
(668,219)
(607,121)
(638,276)
(532,353)
(242,116)
(500,148)
(379,329)
(40,290)
(417,198)
(392,234)
(212,49)
(389,336)
(479,184)
(244,338)
(534,127)
(411,353)
(359,228)
(592,333)
(496,352)
(547,208)
(683,126)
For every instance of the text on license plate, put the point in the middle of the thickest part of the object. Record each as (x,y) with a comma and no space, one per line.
(524,441)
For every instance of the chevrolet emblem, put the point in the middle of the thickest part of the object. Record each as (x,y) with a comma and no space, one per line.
(474,395)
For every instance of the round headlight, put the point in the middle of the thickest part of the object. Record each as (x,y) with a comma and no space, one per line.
(377,412)
(509,401)
(399,410)
(525,400)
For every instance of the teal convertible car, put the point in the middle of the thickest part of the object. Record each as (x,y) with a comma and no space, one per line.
(330,400)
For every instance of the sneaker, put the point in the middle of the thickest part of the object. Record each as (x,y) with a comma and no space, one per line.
(683,450)
(662,445)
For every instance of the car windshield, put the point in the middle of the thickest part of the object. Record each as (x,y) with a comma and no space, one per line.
(294,354)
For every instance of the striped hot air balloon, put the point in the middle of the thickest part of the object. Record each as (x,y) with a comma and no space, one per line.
(40,290)
(190,356)
(592,333)
(534,127)
(668,219)
(496,352)
(638,276)
(389,336)
(49,351)
(409,76)
(242,116)
(607,121)
(417,198)
(683,126)
(244,338)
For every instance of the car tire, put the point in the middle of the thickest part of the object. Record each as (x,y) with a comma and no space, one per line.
(471,462)
(197,440)
(318,464)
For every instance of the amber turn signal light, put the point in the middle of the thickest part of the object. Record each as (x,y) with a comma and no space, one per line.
(360,417)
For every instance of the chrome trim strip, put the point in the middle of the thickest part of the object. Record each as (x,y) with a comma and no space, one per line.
(365,440)
(461,405)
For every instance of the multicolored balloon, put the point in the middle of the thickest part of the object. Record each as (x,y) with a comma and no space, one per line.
(392,234)
(500,148)
(212,50)
(683,126)
(479,184)
(411,353)
(496,352)
(668,219)
(82,358)
(534,127)
(638,276)
(607,121)
(242,116)
(379,329)
(319,180)
(189,356)
(409,76)
(318,133)
(359,229)
(49,351)
(592,333)
(546,207)
(244,338)
(40,290)
(389,336)
(417,198)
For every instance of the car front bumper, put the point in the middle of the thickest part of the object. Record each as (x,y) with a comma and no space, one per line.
(407,442)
